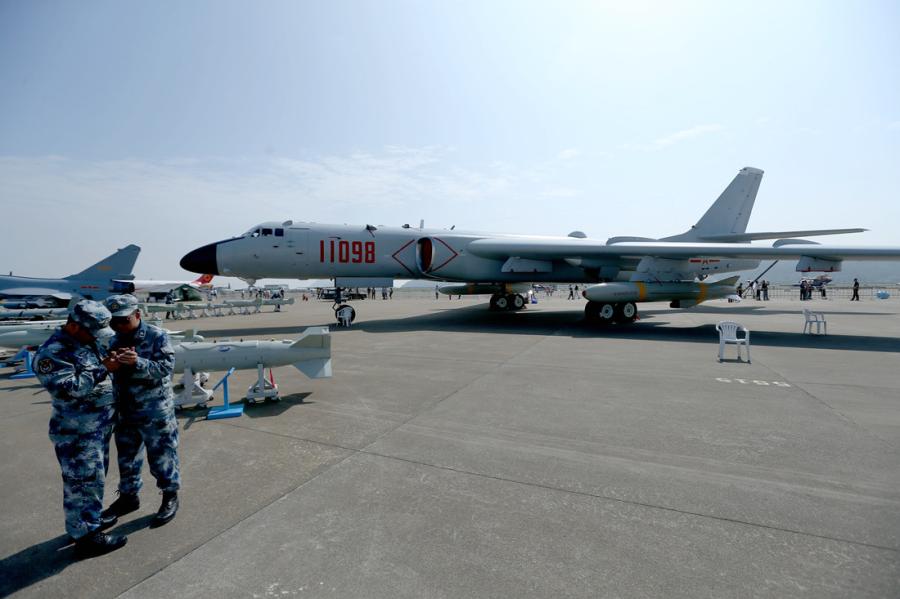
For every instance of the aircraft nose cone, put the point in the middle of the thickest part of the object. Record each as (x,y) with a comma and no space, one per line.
(202,260)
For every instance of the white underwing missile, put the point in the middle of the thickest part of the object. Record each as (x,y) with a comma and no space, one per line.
(685,292)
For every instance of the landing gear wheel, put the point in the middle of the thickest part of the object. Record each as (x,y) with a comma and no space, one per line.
(516,301)
(592,312)
(500,302)
(606,313)
(626,313)
(340,311)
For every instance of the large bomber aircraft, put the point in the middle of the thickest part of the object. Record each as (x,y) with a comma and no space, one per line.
(620,272)
(108,276)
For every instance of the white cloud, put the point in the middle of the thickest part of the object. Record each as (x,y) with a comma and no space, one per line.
(569,154)
(894,126)
(71,212)
(685,134)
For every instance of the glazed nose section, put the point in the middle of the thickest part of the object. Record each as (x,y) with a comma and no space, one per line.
(202,260)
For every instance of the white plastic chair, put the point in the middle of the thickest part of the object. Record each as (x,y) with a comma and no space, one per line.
(728,334)
(814,318)
(345,316)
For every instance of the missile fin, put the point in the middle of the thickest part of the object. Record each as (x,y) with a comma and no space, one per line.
(315,369)
(317,337)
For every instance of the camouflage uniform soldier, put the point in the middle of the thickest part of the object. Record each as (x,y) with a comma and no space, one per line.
(146,409)
(75,371)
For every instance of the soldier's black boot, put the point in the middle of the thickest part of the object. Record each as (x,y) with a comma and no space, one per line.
(108,521)
(125,504)
(97,543)
(167,508)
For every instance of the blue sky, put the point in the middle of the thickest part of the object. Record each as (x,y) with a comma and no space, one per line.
(171,124)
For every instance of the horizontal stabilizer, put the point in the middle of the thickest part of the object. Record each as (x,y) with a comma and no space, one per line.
(317,368)
(744,237)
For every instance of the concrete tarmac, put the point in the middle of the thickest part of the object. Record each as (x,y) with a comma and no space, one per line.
(463,453)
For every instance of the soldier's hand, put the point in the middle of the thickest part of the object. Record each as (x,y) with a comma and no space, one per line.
(111,362)
(127,356)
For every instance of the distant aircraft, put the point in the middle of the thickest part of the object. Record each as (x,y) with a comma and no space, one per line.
(183,290)
(817,282)
(621,271)
(107,277)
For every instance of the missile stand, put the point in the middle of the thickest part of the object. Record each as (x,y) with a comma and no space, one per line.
(194,392)
(262,389)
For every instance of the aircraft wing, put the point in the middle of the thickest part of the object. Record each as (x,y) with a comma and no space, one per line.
(35,292)
(562,249)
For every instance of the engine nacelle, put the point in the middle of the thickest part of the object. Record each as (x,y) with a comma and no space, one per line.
(810,264)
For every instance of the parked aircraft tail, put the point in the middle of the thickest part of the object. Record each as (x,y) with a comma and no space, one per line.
(115,266)
(203,280)
(731,212)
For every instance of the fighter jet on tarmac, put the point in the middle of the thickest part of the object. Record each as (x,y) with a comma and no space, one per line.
(109,276)
(622,270)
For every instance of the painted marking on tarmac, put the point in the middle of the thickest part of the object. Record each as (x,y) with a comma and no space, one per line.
(753,382)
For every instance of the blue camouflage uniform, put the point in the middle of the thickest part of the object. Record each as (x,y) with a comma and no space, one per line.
(83,415)
(145,404)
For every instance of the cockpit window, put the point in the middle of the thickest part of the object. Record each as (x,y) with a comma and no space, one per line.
(279,232)
(254,233)
(266,232)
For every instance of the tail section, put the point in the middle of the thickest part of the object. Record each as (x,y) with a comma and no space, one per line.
(116,266)
(202,280)
(730,213)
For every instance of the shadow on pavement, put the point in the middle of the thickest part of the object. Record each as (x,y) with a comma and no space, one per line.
(477,319)
(34,564)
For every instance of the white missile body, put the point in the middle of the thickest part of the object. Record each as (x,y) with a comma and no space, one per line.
(26,334)
(682,293)
(310,354)
(33,313)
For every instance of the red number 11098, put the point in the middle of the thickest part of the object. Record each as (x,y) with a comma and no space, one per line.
(356,252)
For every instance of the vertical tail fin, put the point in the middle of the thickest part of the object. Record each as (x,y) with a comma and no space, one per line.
(203,280)
(731,212)
(115,266)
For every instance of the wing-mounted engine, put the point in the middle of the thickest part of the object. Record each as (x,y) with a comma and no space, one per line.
(664,269)
(810,264)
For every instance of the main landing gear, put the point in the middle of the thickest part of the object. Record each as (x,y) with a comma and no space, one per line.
(510,301)
(607,312)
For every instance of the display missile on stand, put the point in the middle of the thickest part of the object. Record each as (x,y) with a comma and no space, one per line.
(310,354)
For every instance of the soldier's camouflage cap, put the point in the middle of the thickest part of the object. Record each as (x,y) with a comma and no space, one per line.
(122,305)
(94,317)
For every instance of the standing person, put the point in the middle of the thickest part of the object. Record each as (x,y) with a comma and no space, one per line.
(571,292)
(855,290)
(765,290)
(436,292)
(146,409)
(390,293)
(75,371)
(740,290)
(170,299)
